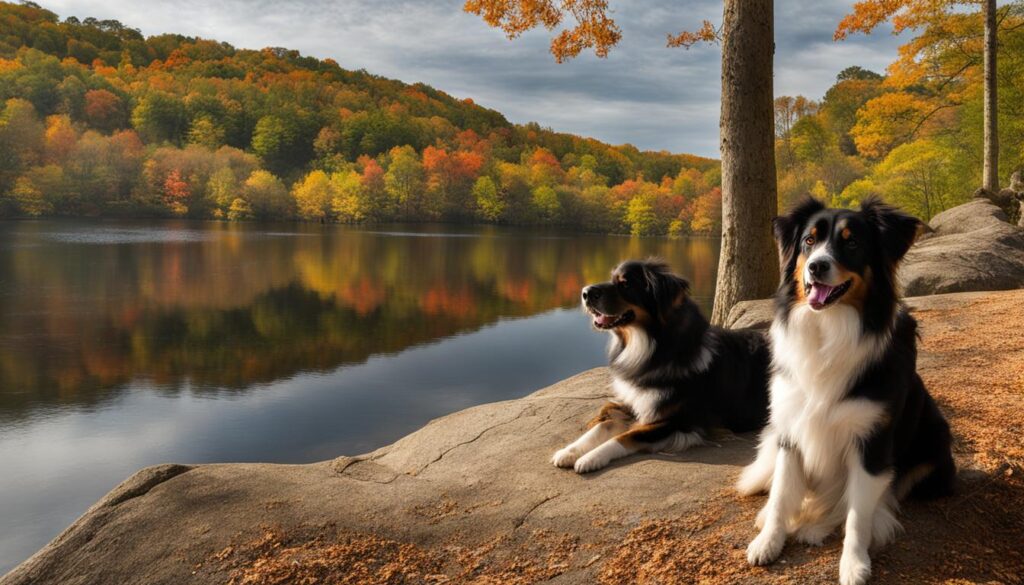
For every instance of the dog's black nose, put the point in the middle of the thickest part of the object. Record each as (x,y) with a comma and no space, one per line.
(818,267)
(591,293)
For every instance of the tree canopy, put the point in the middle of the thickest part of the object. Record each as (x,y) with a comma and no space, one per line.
(914,134)
(97,119)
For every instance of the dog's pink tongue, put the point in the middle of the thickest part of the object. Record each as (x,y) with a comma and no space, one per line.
(604,320)
(819,293)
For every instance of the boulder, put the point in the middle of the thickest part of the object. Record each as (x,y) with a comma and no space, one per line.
(968,217)
(1017,181)
(473,498)
(971,247)
(1005,199)
(751,315)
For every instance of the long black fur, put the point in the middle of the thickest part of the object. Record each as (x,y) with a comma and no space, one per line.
(730,392)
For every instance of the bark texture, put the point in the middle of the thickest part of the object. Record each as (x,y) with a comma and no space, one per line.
(747,268)
(991,171)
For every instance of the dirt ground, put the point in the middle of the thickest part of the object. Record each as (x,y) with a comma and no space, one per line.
(972,359)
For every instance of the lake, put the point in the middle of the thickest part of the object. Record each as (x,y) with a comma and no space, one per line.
(130,343)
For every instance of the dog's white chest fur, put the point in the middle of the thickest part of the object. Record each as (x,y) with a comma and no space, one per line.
(818,356)
(642,401)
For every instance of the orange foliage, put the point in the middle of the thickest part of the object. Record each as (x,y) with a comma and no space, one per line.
(102,108)
(441,301)
(468,164)
(593,29)
(127,143)
(102,69)
(904,14)
(176,192)
(60,138)
(9,65)
(520,291)
(707,212)
(177,58)
(416,95)
(936,23)
(567,286)
(213,115)
(373,173)
(707,33)
(364,297)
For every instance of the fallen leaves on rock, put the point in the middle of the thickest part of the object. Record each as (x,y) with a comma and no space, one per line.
(972,359)
(974,366)
(306,557)
(322,555)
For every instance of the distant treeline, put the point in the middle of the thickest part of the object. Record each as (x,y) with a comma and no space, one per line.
(913,135)
(97,120)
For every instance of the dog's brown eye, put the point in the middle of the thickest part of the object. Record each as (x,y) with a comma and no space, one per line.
(809,240)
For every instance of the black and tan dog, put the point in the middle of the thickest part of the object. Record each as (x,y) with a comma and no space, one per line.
(676,377)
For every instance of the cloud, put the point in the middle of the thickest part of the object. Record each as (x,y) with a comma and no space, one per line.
(643,93)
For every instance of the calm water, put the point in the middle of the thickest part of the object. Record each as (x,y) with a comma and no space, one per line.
(126,344)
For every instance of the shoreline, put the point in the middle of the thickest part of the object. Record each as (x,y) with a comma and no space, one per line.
(536,227)
(472,495)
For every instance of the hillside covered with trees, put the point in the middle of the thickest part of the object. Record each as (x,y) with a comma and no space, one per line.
(97,120)
(913,135)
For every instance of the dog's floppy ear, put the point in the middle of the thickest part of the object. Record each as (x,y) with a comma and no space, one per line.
(896,230)
(665,287)
(787,230)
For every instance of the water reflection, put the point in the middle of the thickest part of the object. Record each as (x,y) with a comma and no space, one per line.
(87,308)
(126,344)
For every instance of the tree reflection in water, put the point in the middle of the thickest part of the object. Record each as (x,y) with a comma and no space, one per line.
(86,308)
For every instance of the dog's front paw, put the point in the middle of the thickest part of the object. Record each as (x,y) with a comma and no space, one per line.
(813,534)
(565,457)
(854,568)
(590,462)
(766,547)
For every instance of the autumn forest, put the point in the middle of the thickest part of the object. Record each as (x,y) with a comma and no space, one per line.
(101,121)
(98,120)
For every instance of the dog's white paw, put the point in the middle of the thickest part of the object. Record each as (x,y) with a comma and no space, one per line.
(766,547)
(813,534)
(761,515)
(854,568)
(565,457)
(591,462)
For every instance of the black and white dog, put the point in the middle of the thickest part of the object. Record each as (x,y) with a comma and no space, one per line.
(675,376)
(852,428)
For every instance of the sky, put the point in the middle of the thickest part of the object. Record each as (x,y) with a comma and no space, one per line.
(644,93)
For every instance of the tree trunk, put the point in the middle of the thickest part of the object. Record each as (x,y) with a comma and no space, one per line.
(991,174)
(748,266)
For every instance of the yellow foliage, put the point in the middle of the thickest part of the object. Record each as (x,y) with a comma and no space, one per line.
(9,65)
(889,120)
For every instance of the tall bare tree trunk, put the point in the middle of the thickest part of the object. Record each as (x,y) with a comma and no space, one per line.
(748,266)
(991,174)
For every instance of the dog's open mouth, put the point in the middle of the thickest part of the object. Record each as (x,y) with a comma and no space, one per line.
(821,295)
(602,321)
